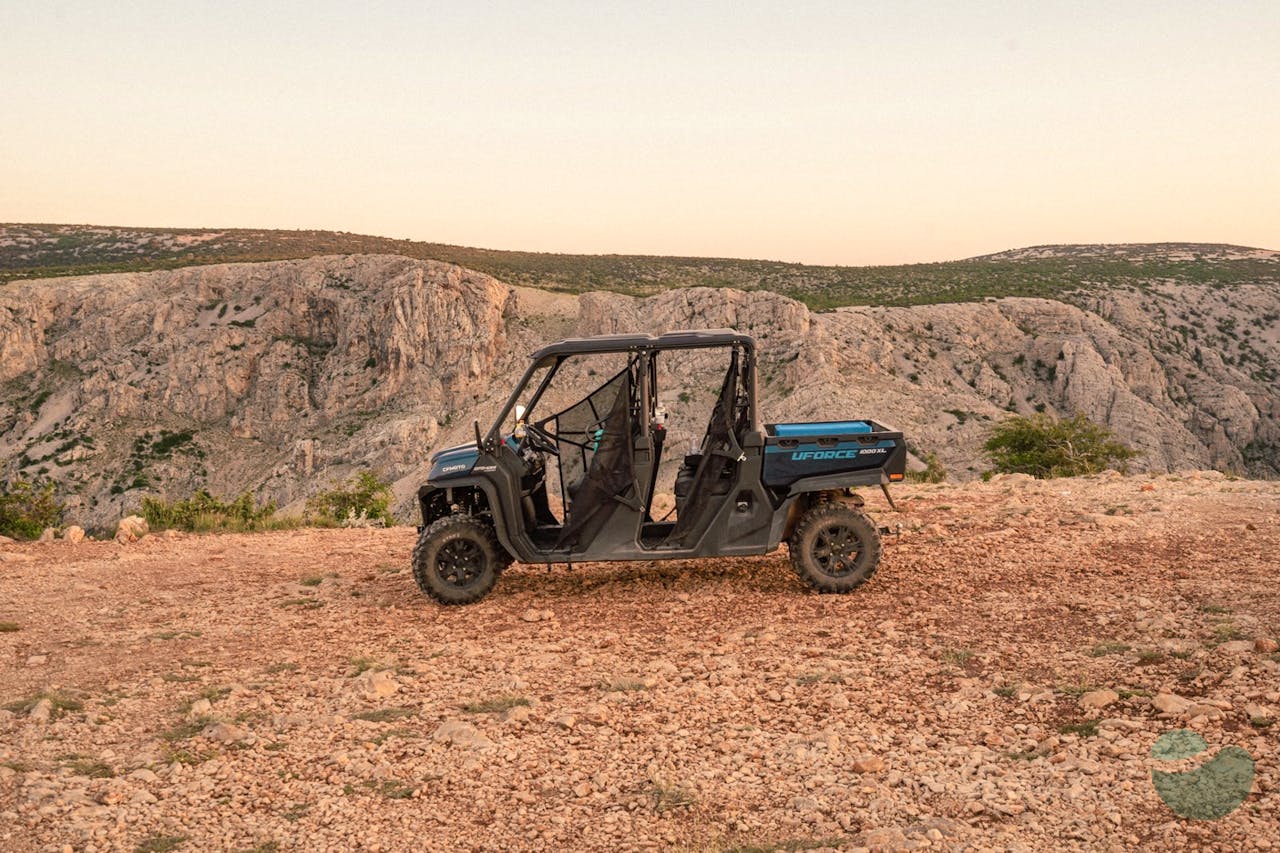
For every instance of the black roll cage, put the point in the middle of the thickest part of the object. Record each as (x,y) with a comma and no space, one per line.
(554,355)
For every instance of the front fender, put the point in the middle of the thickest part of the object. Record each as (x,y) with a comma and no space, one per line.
(469,495)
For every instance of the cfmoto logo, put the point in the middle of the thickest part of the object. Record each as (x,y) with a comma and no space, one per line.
(1213,789)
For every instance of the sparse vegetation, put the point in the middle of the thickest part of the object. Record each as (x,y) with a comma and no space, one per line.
(1046,447)
(667,797)
(203,513)
(1083,728)
(792,845)
(623,685)
(27,508)
(495,705)
(69,250)
(384,715)
(1108,648)
(933,472)
(957,657)
(362,500)
(60,704)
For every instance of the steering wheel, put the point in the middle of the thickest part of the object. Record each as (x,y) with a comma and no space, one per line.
(540,440)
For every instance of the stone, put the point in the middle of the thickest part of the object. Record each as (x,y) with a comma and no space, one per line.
(131,528)
(1098,699)
(1236,647)
(201,708)
(41,711)
(1169,703)
(376,684)
(142,774)
(872,764)
(515,714)
(531,615)
(73,534)
(1203,709)
(228,733)
(459,733)
(804,804)
(1265,645)
(49,534)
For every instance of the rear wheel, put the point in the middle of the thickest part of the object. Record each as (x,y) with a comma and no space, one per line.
(458,559)
(834,548)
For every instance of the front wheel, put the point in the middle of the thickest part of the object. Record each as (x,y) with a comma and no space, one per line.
(834,548)
(458,559)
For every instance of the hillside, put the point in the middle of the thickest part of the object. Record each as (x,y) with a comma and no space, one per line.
(280,377)
(39,251)
(998,684)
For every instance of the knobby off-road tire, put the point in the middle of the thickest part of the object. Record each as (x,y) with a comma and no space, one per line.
(834,548)
(458,559)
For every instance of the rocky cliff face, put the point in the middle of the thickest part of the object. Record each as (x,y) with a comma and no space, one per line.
(281,377)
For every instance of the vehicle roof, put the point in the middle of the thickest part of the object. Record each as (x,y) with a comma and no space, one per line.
(684,339)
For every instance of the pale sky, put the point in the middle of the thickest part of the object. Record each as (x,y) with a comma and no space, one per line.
(845,132)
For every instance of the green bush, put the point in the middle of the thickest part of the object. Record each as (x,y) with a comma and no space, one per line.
(934,471)
(203,513)
(365,499)
(27,508)
(1045,447)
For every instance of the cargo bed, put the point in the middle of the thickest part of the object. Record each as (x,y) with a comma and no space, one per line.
(861,452)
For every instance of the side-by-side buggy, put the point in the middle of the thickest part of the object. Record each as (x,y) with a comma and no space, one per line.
(577,483)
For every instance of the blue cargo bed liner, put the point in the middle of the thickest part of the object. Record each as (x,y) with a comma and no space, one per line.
(823,428)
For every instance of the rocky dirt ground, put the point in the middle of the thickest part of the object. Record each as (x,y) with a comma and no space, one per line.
(293,690)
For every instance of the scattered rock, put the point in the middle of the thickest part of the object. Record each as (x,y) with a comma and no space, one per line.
(376,684)
(1097,699)
(131,528)
(1169,703)
(41,711)
(1203,709)
(872,764)
(459,733)
(228,733)
(804,804)
(516,714)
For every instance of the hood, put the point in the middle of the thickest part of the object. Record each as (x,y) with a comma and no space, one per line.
(453,461)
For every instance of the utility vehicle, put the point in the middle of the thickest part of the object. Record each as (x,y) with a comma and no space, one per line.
(577,483)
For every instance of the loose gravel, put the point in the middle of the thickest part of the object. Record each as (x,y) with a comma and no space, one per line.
(997,685)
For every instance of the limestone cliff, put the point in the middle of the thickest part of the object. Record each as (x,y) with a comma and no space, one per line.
(281,377)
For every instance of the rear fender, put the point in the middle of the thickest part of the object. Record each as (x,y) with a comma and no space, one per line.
(789,514)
